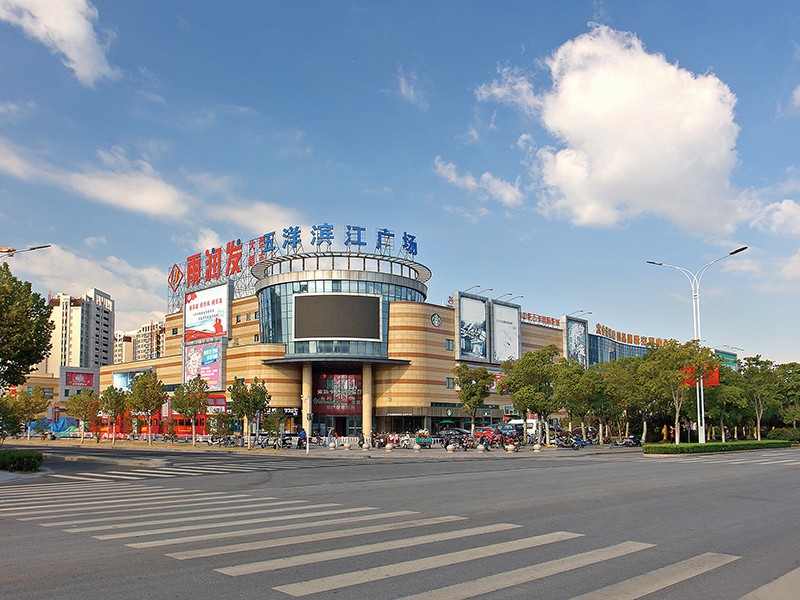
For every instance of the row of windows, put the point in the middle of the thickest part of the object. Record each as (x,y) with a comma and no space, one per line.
(276,306)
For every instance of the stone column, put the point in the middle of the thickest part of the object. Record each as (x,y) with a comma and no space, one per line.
(366,400)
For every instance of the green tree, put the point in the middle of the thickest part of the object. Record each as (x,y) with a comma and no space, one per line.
(529,381)
(788,375)
(30,405)
(113,403)
(246,401)
(473,388)
(567,389)
(84,406)
(146,398)
(726,398)
(10,421)
(25,329)
(760,384)
(667,371)
(191,400)
(275,421)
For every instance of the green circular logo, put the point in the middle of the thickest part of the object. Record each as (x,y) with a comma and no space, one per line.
(436,320)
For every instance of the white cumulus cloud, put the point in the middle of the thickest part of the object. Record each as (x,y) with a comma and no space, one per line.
(66,27)
(487,185)
(634,135)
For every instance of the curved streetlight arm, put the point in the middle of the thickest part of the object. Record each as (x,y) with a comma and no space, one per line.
(9,252)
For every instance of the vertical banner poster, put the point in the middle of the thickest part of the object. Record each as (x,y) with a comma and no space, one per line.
(206,313)
(473,336)
(577,341)
(505,332)
(204,360)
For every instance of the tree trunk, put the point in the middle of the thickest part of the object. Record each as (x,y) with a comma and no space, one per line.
(644,430)
(113,429)
(722,427)
(149,430)
(194,434)
(677,427)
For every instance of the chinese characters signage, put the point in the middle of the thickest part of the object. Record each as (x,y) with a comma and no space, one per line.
(336,394)
(627,338)
(540,320)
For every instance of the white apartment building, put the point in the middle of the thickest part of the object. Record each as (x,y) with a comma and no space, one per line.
(123,347)
(84,331)
(145,343)
(148,341)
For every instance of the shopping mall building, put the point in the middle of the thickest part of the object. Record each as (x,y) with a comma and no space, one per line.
(344,339)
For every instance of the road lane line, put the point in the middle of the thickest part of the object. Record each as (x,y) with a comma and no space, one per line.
(314,537)
(342,580)
(184,509)
(129,534)
(507,579)
(318,557)
(657,580)
(137,522)
(781,588)
(269,530)
(152,500)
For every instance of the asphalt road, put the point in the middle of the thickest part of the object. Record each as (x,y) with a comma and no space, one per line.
(376,525)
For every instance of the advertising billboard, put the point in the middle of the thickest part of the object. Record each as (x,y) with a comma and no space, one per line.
(577,341)
(206,313)
(337,317)
(77,379)
(123,380)
(472,332)
(205,360)
(506,339)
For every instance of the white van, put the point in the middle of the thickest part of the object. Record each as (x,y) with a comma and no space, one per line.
(517,423)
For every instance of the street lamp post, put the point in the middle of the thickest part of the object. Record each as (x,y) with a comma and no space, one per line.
(6,252)
(694,282)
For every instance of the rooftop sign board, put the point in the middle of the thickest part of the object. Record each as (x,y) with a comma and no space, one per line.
(233,261)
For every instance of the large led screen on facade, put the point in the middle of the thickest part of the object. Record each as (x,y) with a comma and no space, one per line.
(337,317)
(123,380)
(205,360)
(206,313)
(472,332)
(505,332)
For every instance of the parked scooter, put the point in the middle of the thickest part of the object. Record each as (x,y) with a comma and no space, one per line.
(578,443)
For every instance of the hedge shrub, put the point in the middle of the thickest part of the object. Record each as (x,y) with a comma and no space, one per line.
(784,433)
(20,461)
(714,447)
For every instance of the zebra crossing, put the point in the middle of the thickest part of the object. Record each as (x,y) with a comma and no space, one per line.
(184,469)
(785,458)
(242,535)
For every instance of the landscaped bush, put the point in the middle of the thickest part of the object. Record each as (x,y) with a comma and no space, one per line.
(21,461)
(785,433)
(714,447)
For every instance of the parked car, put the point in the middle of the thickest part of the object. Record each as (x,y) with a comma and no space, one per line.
(454,431)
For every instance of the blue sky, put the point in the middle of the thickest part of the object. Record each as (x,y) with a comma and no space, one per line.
(546,149)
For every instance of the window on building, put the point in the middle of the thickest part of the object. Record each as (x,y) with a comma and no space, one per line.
(256,316)
(174,331)
(449,383)
(255,338)
(238,318)
(449,345)
(248,317)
